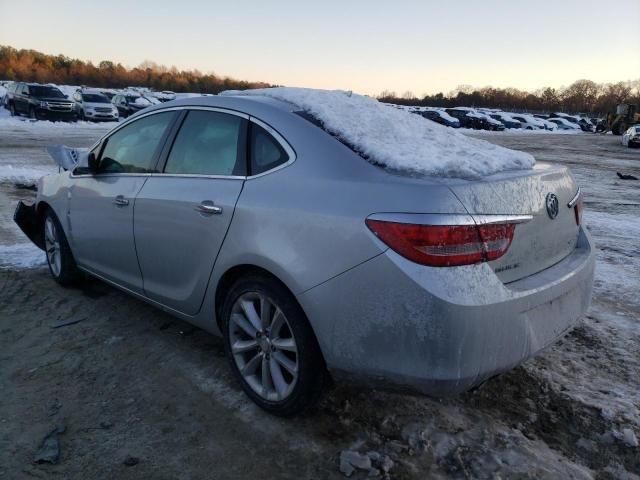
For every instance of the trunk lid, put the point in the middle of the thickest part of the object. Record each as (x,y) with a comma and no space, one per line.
(540,242)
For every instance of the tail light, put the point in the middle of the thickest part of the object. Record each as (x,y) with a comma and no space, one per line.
(576,204)
(577,210)
(445,245)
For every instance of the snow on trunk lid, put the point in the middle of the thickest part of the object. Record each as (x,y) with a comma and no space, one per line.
(539,243)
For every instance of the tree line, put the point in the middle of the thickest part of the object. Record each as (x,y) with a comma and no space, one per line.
(582,96)
(33,66)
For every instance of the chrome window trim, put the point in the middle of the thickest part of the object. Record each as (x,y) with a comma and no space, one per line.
(445,219)
(105,175)
(167,109)
(272,131)
(425,218)
(491,219)
(198,175)
(575,199)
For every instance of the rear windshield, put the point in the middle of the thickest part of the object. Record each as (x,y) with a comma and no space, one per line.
(44,91)
(318,123)
(94,98)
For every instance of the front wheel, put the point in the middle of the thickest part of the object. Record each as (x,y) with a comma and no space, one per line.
(12,109)
(271,346)
(59,257)
(32,113)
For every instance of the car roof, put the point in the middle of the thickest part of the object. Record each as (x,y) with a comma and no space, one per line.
(257,105)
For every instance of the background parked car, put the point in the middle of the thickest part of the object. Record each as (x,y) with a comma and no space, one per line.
(507,120)
(486,122)
(441,117)
(529,122)
(631,138)
(93,105)
(108,94)
(130,103)
(165,96)
(470,119)
(582,123)
(10,89)
(41,102)
(564,124)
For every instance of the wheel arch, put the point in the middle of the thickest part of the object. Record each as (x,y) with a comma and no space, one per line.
(232,274)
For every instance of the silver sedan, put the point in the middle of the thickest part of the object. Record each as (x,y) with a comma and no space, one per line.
(244,217)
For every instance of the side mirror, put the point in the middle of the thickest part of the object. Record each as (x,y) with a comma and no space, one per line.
(92,163)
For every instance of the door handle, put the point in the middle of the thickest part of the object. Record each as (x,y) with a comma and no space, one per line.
(208,207)
(120,201)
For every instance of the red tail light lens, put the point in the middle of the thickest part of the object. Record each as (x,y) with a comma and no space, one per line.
(577,210)
(445,245)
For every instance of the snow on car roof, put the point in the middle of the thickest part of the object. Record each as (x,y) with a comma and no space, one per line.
(443,114)
(397,139)
(561,120)
(504,116)
(528,118)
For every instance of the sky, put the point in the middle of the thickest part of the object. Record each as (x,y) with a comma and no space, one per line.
(422,46)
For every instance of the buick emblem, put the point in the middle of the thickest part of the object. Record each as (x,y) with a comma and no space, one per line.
(552,206)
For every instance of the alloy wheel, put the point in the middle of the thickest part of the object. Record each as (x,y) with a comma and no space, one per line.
(52,246)
(263,346)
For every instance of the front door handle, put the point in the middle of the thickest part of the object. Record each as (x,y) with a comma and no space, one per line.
(208,207)
(120,201)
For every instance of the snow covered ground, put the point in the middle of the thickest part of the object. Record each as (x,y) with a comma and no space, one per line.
(572,412)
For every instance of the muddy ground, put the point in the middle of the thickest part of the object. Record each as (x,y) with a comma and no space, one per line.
(132,385)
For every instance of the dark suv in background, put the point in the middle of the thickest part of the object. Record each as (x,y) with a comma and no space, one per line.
(40,102)
(468,120)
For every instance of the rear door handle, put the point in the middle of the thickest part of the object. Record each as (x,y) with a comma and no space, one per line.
(209,208)
(120,201)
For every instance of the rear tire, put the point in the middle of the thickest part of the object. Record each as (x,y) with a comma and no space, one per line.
(271,347)
(60,260)
(12,109)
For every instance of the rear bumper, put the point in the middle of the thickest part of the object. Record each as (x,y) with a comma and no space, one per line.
(394,324)
(26,217)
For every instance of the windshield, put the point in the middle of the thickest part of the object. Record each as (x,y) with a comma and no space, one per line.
(94,98)
(132,98)
(44,91)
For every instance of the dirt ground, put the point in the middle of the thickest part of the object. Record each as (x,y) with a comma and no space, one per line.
(143,395)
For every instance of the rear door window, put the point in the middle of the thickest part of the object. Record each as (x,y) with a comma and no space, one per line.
(133,148)
(208,143)
(266,152)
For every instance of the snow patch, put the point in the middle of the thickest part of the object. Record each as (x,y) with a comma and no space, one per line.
(396,139)
(23,175)
(21,255)
(618,254)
